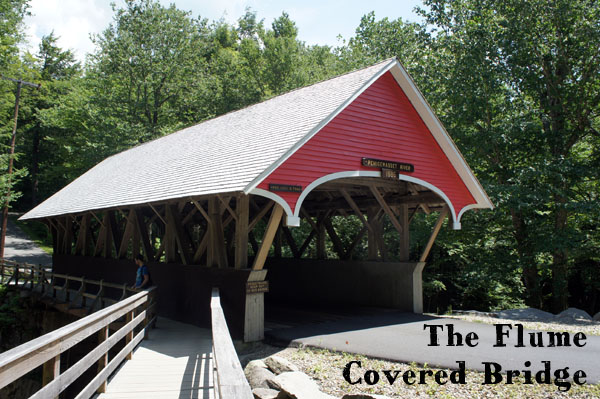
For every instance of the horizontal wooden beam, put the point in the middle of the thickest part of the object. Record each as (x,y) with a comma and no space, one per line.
(365,202)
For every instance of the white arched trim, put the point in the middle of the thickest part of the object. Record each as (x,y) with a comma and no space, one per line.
(332,176)
(469,207)
(291,219)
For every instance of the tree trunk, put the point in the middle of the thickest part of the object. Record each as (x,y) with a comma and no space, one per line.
(530,277)
(560,267)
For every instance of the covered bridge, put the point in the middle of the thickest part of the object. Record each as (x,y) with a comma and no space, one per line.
(215,203)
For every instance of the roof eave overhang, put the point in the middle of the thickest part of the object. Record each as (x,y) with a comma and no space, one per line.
(442,137)
(482,201)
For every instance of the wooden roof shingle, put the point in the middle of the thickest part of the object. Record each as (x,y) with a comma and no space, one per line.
(220,155)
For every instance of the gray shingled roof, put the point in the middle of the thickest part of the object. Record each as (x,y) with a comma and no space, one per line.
(224,154)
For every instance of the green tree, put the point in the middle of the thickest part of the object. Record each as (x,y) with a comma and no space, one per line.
(522,90)
(40,142)
(12,13)
(148,64)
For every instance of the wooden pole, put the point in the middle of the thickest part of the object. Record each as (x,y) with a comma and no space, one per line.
(404,236)
(242,210)
(217,237)
(51,370)
(129,337)
(103,361)
(372,233)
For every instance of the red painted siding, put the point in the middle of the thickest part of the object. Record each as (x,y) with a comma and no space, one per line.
(381,123)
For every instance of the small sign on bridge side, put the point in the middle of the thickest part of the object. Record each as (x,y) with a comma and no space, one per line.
(256,287)
(393,165)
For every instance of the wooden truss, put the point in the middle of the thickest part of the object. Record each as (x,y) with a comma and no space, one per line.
(221,230)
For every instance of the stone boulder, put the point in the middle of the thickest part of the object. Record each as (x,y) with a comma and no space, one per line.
(265,393)
(364,396)
(258,374)
(574,314)
(279,365)
(297,385)
(532,314)
(475,313)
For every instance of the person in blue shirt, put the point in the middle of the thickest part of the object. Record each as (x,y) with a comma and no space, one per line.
(142,277)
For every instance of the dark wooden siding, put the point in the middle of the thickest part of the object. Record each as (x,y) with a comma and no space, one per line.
(381,123)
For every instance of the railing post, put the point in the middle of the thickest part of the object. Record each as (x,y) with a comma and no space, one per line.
(32,277)
(129,336)
(16,275)
(124,292)
(103,361)
(51,370)
(81,293)
(53,286)
(43,281)
(147,318)
(67,293)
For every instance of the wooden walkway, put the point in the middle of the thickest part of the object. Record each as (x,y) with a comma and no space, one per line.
(175,362)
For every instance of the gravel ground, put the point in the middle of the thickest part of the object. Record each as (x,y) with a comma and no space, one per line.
(589,327)
(326,368)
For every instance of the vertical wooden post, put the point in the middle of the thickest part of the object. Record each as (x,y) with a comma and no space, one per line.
(242,210)
(129,336)
(417,281)
(254,317)
(107,253)
(127,234)
(321,253)
(170,241)
(181,236)
(372,238)
(54,234)
(217,239)
(68,237)
(50,370)
(103,361)
(59,236)
(405,235)
(142,228)
(211,250)
(277,242)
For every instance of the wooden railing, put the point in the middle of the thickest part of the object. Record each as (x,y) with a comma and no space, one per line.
(122,317)
(46,350)
(75,291)
(229,378)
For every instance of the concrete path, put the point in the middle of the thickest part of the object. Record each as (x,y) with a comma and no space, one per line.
(174,363)
(19,248)
(401,337)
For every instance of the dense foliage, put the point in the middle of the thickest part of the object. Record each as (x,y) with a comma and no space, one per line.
(515,82)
